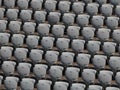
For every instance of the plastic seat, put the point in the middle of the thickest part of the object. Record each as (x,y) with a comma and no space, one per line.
(32,41)
(78,7)
(20,54)
(83,20)
(54,17)
(27,84)
(8,67)
(6,52)
(87,1)
(23,69)
(47,42)
(117,10)
(11,83)
(43,29)
(92,8)
(56,72)
(98,21)
(15,27)
(115,2)
(88,33)
(109,48)
(93,46)
(68,19)
(50,5)
(36,4)
(95,87)
(78,45)
(9,3)
(72,73)
(1,78)
(36,55)
(60,85)
(112,88)
(23,4)
(18,40)
(103,34)
(83,60)
(2,11)
(58,30)
(4,38)
(117,79)
(51,57)
(40,70)
(64,6)
(67,58)
(101,2)
(99,61)
(25,15)
(116,35)
(40,16)
(62,44)
(44,85)
(77,86)
(88,75)
(3,25)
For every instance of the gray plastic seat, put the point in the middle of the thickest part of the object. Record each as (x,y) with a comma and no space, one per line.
(20,54)
(103,34)
(43,29)
(109,48)
(68,19)
(117,79)
(98,21)
(95,87)
(87,1)
(11,83)
(83,60)
(32,41)
(77,86)
(67,58)
(51,57)
(112,88)
(115,2)
(54,17)
(60,85)
(1,78)
(117,10)
(23,69)
(9,3)
(78,7)
(36,55)
(3,25)
(25,15)
(4,38)
(83,20)
(58,30)
(93,46)
(18,40)
(40,16)
(2,11)
(44,85)
(64,6)
(92,8)
(15,26)
(8,67)
(36,4)
(62,44)
(106,9)
(100,2)
(40,70)
(27,84)
(77,45)
(23,4)
(116,35)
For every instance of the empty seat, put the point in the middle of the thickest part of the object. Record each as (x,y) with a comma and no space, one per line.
(43,29)
(54,17)
(83,59)
(32,41)
(23,4)
(112,88)
(83,20)
(78,7)
(9,3)
(115,2)
(77,86)
(117,79)
(40,70)
(2,11)
(3,25)
(116,35)
(51,57)
(36,55)
(47,42)
(18,40)
(62,44)
(6,52)
(40,16)
(1,78)
(8,67)
(87,1)
(103,34)
(15,26)
(117,10)
(29,27)
(27,84)
(20,54)
(36,4)
(78,45)
(68,19)
(11,83)
(44,85)
(95,87)
(100,2)
(4,38)
(23,69)
(67,58)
